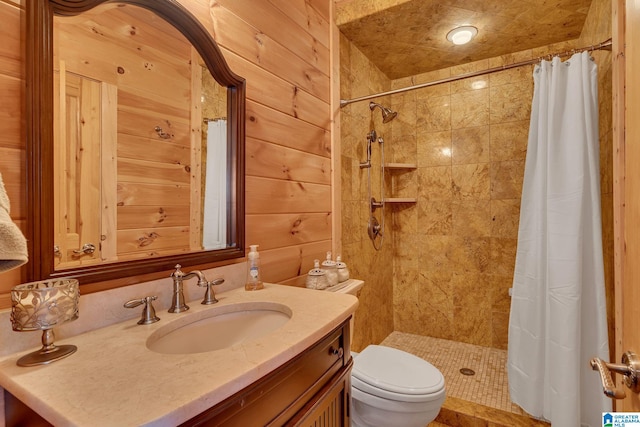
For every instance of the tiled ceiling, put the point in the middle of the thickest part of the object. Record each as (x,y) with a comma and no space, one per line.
(408,37)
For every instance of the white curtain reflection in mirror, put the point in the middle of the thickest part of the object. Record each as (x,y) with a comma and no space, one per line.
(214,234)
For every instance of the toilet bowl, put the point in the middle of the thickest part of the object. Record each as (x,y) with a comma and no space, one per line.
(390,387)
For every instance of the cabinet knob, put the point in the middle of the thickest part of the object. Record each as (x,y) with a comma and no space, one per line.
(336,351)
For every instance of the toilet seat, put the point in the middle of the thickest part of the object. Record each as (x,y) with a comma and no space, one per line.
(396,375)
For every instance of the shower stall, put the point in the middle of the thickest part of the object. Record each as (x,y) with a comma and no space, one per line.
(446,267)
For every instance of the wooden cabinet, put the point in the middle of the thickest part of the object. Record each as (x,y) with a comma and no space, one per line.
(311,389)
(313,386)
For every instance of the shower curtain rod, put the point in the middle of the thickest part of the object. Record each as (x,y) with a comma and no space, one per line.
(604,45)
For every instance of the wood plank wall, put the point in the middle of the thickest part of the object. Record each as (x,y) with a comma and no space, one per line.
(12,136)
(282,49)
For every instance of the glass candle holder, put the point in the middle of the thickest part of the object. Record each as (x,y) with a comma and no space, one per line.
(40,306)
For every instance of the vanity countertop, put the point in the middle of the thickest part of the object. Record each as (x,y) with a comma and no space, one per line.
(113,379)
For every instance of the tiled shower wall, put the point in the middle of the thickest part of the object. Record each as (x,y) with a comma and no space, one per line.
(453,251)
(374,317)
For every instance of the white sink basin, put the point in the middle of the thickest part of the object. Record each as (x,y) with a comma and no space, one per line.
(218,328)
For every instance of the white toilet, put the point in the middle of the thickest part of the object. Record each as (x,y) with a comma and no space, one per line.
(390,387)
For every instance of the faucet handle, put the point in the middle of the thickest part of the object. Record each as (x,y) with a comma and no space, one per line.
(148,312)
(209,295)
(177,272)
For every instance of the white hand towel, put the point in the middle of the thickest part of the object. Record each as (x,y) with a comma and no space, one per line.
(13,245)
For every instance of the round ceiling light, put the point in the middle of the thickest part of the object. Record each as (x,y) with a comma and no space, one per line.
(462,35)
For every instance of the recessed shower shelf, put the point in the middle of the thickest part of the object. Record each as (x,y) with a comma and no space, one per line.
(400,166)
(400,200)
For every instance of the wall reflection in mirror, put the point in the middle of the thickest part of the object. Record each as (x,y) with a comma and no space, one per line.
(140,141)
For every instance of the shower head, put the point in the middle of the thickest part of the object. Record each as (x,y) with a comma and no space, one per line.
(387,113)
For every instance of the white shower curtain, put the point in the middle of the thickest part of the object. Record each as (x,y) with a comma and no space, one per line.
(558,308)
(214,229)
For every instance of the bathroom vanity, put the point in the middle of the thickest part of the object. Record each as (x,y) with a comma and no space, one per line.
(294,375)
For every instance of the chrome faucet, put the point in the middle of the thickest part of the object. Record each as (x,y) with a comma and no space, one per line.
(178,304)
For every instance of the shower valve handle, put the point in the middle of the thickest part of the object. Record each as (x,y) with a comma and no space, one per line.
(629,368)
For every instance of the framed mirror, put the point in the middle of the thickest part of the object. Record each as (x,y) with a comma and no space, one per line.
(135,141)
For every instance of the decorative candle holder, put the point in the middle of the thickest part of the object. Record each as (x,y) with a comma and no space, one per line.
(41,306)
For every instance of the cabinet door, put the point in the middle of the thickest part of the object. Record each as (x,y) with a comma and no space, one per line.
(331,409)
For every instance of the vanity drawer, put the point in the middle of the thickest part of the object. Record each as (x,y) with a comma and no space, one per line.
(289,391)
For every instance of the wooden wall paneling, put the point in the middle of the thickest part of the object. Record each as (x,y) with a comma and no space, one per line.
(274,161)
(134,120)
(289,229)
(131,194)
(307,17)
(10,34)
(125,67)
(12,169)
(109,173)
(59,159)
(272,91)
(273,126)
(629,84)
(136,147)
(323,7)
(260,48)
(88,160)
(10,112)
(152,239)
(320,113)
(132,170)
(298,281)
(290,265)
(143,216)
(336,132)
(19,3)
(175,104)
(619,158)
(132,27)
(268,19)
(264,195)
(202,11)
(195,171)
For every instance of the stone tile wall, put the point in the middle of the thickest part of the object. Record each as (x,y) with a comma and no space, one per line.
(374,317)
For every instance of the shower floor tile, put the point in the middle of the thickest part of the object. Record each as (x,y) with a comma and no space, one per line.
(488,386)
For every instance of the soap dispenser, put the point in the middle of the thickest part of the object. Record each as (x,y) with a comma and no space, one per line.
(254,282)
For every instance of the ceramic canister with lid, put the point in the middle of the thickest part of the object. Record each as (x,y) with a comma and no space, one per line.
(329,266)
(316,278)
(343,271)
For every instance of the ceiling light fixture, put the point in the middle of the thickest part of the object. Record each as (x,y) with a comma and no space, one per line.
(462,35)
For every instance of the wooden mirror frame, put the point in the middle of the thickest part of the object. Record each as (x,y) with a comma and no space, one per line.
(39,141)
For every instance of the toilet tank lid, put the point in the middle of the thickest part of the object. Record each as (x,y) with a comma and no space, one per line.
(397,371)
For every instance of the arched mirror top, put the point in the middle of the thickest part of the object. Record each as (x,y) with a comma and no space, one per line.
(43,98)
